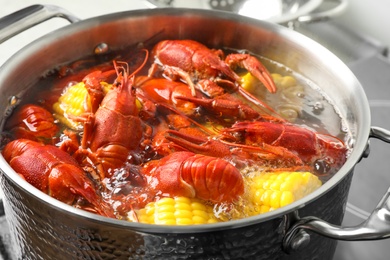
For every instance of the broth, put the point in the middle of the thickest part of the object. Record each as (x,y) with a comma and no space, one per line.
(297,103)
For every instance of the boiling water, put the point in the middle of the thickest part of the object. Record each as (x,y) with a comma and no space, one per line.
(297,100)
(302,102)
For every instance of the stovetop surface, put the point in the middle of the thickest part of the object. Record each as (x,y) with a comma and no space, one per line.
(371,176)
(368,60)
(365,57)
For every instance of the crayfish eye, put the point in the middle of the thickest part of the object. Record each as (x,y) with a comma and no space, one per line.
(199,111)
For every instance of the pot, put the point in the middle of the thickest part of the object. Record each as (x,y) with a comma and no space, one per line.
(44,228)
(280,11)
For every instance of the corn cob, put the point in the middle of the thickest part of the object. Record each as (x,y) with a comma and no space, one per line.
(73,103)
(177,211)
(266,191)
(284,82)
(248,81)
(272,190)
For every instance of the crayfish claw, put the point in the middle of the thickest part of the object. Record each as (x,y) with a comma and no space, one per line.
(255,67)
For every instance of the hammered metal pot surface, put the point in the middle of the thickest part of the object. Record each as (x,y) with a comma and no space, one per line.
(44,228)
(44,232)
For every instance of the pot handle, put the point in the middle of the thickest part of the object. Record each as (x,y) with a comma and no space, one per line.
(376,227)
(324,15)
(30,16)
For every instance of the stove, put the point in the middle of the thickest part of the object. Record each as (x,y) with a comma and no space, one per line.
(365,56)
(368,59)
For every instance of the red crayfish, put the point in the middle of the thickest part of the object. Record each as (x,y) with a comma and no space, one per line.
(118,111)
(54,172)
(32,122)
(117,115)
(188,138)
(311,147)
(195,175)
(194,62)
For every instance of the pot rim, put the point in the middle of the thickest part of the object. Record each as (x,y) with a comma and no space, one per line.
(356,154)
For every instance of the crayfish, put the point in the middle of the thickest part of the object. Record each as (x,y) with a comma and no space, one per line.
(32,122)
(188,128)
(56,173)
(192,61)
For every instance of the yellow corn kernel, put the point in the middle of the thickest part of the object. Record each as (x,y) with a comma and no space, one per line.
(212,220)
(181,200)
(199,220)
(288,81)
(166,208)
(200,214)
(183,206)
(264,209)
(166,222)
(197,206)
(184,221)
(182,214)
(286,198)
(106,87)
(177,211)
(162,215)
(144,217)
(277,78)
(274,200)
(272,190)
(258,194)
(248,82)
(149,209)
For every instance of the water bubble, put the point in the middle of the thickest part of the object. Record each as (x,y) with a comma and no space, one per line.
(101,48)
(13,100)
(322,166)
(318,107)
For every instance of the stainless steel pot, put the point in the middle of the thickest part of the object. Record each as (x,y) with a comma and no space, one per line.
(277,11)
(44,228)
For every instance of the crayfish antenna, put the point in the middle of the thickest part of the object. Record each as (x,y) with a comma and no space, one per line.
(267,151)
(143,63)
(196,144)
(261,105)
(122,67)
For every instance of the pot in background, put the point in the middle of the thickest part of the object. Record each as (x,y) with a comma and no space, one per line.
(277,11)
(44,228)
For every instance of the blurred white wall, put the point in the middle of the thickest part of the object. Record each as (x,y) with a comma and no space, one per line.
(371,17)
